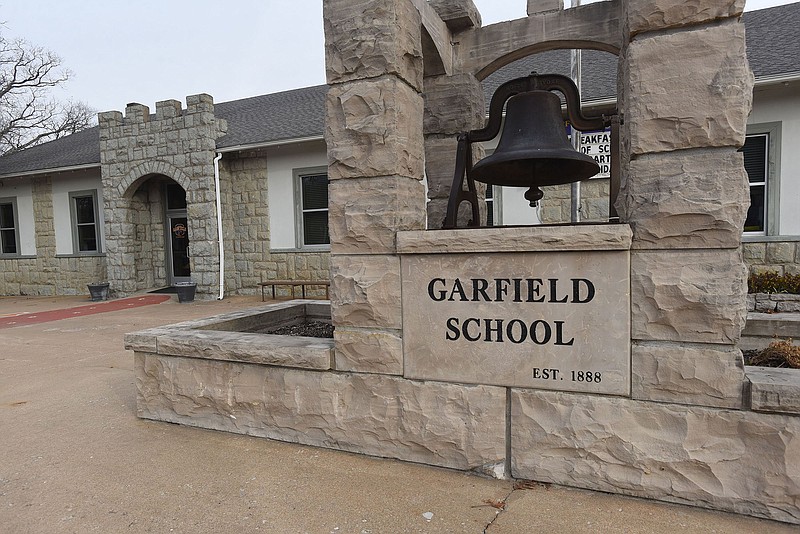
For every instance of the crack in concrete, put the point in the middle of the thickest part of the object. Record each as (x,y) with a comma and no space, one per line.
(500,511)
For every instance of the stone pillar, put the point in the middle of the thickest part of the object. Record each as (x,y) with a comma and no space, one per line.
(373,130)
(684,193)
(453,104)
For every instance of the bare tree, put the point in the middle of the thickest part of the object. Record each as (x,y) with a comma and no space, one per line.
(28,113)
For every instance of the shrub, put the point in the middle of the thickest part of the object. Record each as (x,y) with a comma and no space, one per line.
(772,282)
(781,353)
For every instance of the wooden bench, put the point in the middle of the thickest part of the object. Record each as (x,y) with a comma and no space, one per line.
(293,284)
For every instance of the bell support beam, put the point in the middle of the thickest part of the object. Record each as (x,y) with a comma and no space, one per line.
(481,51)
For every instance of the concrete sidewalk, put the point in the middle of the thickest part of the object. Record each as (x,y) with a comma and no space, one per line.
(76,459)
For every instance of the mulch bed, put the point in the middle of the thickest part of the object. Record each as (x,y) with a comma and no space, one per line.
(307,329)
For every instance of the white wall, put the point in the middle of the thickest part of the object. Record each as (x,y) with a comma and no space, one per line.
(63,185)
(21,190)
(281,163)
(781,103)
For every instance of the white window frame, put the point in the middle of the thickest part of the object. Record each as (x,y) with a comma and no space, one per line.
(495,204)
(772,179)
(298,175)
(74,222)
(13,202)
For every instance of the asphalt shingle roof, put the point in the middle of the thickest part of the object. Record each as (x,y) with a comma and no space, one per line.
(773,42)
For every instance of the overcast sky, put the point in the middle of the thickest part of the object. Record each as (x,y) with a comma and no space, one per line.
(144,51)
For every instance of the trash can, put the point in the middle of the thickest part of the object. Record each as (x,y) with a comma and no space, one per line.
(185,291)
(98,291)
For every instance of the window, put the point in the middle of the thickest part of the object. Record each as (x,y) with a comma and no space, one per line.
(85,222)
(761,162)
(312,191)
(489,205)
(756,164)
(9,234)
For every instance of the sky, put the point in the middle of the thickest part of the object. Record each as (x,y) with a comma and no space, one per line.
(122,51)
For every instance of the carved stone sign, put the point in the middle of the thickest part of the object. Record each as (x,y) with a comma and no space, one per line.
(547,320)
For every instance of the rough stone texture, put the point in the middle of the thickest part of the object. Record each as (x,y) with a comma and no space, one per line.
(366,214)
(367,39)
(518,239)
(369,351)
(440,160)
(780,252)
(692,296)
(459,15)
(667,110)
(543,6)
(769,325)
(452,426)
(286,351)
(651,15)
(725,459)
(372,128)
(171,145)
(703,375)
(774,390)
(35,275)
(754,253)
(365,291)
(773,303)
(453,104)
(691,199)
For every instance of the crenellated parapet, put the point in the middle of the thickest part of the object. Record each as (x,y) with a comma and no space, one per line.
(175,143)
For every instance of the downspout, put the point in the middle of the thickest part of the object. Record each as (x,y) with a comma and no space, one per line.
(219,228)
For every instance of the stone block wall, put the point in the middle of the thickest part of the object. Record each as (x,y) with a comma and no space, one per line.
(46,273)
(556,206)
(249,260)
(782,257)
(176,143)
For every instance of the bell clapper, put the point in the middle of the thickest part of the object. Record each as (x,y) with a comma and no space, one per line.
(533,196)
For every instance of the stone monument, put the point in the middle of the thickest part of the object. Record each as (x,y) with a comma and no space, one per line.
(597,356)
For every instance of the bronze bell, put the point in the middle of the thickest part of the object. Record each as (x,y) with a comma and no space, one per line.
(534,150)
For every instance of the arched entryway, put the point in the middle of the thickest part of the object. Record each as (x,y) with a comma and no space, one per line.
(151,245)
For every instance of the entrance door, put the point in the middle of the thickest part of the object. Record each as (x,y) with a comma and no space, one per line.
(178,244)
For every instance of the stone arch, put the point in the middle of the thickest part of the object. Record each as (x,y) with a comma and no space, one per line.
(140,173)
(594,26)
(544,46)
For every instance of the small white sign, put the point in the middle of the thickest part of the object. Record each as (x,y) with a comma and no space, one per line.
(598,146)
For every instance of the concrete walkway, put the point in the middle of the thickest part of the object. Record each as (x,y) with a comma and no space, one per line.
(74,458)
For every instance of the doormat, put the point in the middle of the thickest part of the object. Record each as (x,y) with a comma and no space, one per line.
(91,309)
(169,289)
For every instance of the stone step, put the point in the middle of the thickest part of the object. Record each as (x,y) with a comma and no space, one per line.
(761,328)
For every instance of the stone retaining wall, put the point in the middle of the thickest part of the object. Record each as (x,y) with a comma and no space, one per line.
(773,302)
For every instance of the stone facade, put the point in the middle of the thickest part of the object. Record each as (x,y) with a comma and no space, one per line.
(48,273)
(177,145)
(765,255)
